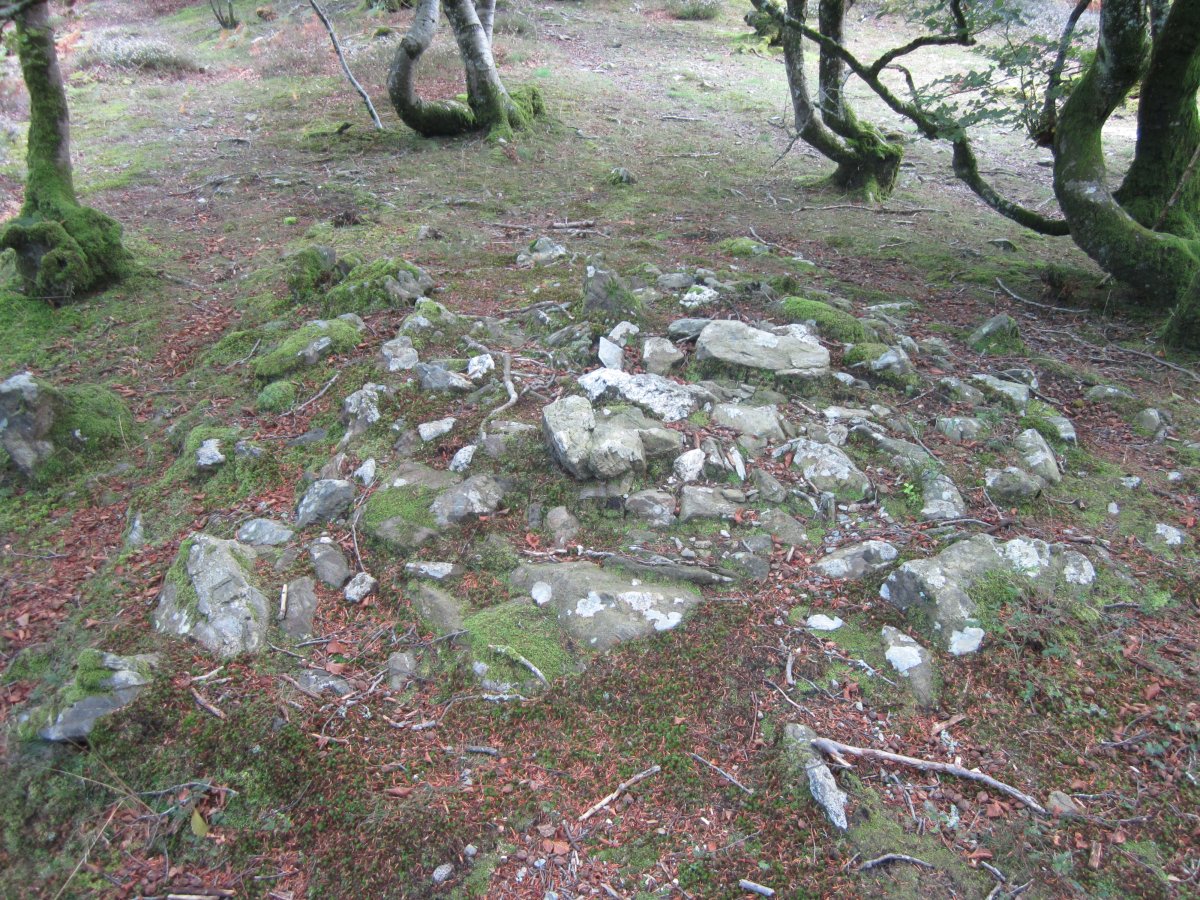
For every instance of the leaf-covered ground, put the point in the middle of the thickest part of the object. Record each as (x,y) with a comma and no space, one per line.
(231,150)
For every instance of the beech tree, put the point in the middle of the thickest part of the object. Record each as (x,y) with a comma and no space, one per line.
(489,107)
(1146,233)
(63,248)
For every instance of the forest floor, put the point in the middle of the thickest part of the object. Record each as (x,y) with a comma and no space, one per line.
(224,153)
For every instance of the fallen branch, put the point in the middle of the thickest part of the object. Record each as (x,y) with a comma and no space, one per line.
(206,705)
(621,789)
(506,368)
(754,887)
(836,748)
(516,657)
(700,759)
(337,48)
(319,394)
(1014,295)
(891,858)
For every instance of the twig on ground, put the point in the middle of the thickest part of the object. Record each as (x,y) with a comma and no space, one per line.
(516,657)
(1066,309)
(206,705)
(319,394)
(337,48)
(783,693)
(891,858)
(836,748)
(621,789)
(755,888)
(506,368)
(700,759)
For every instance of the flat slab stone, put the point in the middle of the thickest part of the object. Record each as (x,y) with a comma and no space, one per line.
(857,561)
(665,399)
(601,608)
(791,350)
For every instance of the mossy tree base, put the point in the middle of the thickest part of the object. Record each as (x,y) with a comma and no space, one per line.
(73,250)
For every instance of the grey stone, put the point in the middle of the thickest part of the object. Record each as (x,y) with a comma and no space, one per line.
(568,424)
(661,567)
(209,456)
(398,354)
(940,498)
(689,466)
(1061,805)
(562,525)
(960,428)
(698,296)
(480,365)
(365,473)
(1169,535)
(360,587)
(1107,393)
(998,329)
(1037,456)
(613,451)
(439,379)
(315,682)
(432,570)
(329,562)
(324,501)
(221,609)
(769,487)
(402,667)
(431,431)
(675,281)
(264,533)
(622,332)
(501,434)
(705,503)
(441,609)
(791,350)
(461,461)
(418,475)
(1012,485)
(822,622)
(829,469)
(442,873)
(959,390)
(686,329)
(606,297)
(748,565)
(360,410)
(653,393)
(857,560)
(1064,430)
(656,508)
(541,252)
(601,608)
(479,495)
(912,663)
(659,355)
(808,767)
(316,350)
(760,422)
(301,607)
(130,675)
(610,354)
(1149,421)
(1011,394)
(786,529)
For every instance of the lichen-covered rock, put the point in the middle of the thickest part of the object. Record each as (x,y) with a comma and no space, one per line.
(857,560)
(1011,394)
(760,423)
(1012,485)
(653,393)
(655,508)
(959,428)
(324,501)
(301,607)
(705,503)
(659,355)
(540,252)
(382,284)
(360,410)
(398,354)
(606,298)
(807,767)
(479,495)
(601,608)
(1037,456)
(787,351)
(37,419)
(264,533)
(998,334)
(103,684)
(829,469)
(329,562)
(912,663)
(607,446)
(940,498)
(210,598)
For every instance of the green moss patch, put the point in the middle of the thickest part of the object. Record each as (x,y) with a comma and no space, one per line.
(527,631)
(365,289)
(830,322)
(286,357)
(276,397)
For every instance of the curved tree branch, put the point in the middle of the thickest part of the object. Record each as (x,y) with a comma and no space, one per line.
(437,118)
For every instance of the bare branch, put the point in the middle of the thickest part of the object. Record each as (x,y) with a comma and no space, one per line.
(337,48)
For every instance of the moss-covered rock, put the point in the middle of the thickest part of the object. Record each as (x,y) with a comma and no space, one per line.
(831,323)
(382,284)
(276,397)
(307,346)
(312,270)
(44,428)
(743,247)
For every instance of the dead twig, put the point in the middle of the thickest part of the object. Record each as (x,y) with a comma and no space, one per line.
(206,705)
(1014,295)
(319,394)
(700,759)
(516,657)
(621,789)
(337,48)
(891,858)
(836,748)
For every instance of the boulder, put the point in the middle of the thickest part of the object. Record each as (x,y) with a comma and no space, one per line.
(1012,485)
(264,533)
(1037,456)
(209,597)
(705,503)
(601,608)
(655,508)
(324,501)
(103,684)
(659,355)
(653,393)
(789,350)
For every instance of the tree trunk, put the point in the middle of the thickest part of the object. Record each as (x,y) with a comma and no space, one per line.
(62,248)
(866,163)
(1163,268)
(489,105)
(1168,130)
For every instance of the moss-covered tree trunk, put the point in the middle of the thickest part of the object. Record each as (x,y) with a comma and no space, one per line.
(1162,187)
(489,105)
(1164,268)
(63,248)
(867,164)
